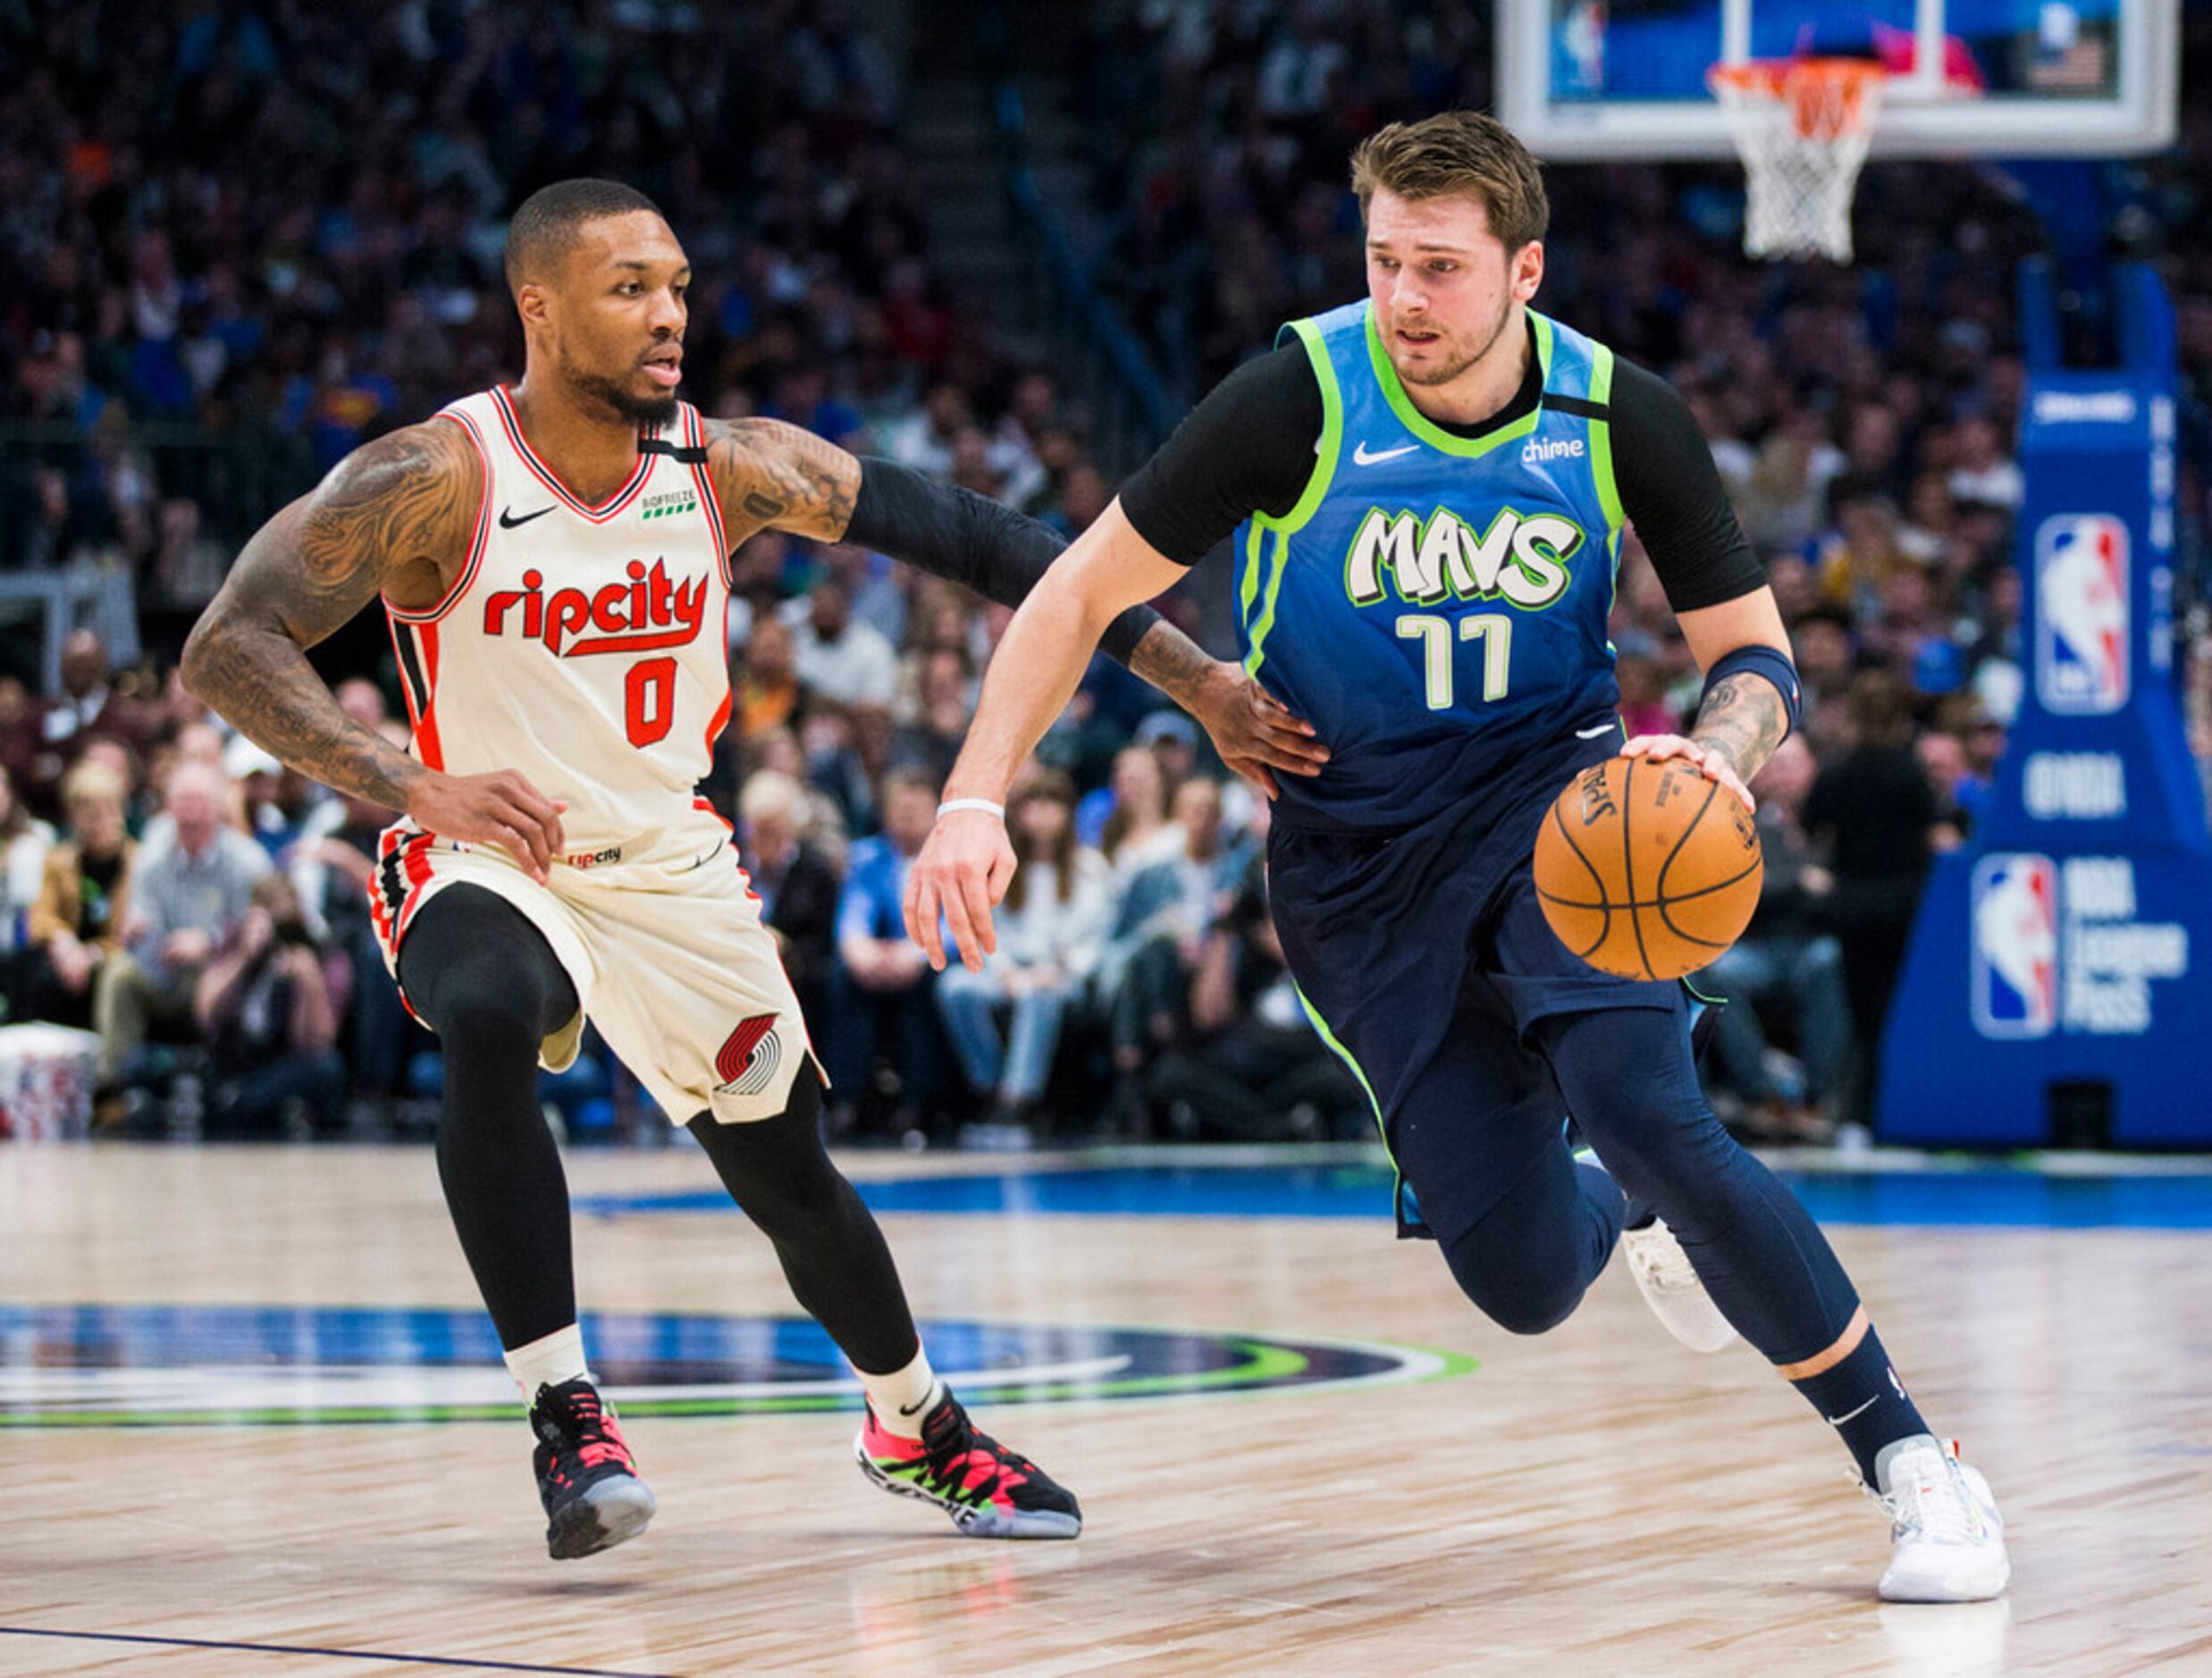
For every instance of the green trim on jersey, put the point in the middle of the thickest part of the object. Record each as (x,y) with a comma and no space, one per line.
(1323,475)
(1602,437)
(1398,1185)
(1426,429)
(1345,1055)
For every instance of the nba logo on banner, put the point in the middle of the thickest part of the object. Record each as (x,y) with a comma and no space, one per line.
(2082,614)
(2015,941)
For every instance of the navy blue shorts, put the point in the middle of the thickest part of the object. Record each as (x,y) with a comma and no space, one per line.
(1426,960)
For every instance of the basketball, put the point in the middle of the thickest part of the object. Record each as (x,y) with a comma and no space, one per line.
(1647,869)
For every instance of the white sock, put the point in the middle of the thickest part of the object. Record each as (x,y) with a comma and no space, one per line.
(901,1399)
(547,1361)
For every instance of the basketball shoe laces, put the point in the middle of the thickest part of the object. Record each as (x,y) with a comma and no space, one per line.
(1664,1266)
(574,1420)
(1942,1510)
(967,1463)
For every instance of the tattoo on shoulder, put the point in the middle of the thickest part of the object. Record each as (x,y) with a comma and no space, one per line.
(771,475)
(1744,719)
(397,513)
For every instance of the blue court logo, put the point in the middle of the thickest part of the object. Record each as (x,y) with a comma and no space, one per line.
(154,1366)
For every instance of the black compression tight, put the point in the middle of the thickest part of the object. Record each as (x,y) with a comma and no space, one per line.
(484,980)
(832,1252)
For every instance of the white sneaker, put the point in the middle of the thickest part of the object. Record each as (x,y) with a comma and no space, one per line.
(1950,1539)
(1662,1270)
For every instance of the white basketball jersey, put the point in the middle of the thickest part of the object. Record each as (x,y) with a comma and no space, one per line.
(585,647)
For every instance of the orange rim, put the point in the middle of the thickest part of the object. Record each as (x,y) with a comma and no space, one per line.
(1827,97)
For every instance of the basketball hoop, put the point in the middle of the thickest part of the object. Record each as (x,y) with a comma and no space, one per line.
(1802,126)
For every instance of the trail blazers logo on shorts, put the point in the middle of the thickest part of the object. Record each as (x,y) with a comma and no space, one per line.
(749,1056)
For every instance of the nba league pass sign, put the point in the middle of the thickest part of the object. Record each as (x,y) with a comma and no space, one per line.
(2059,946)
(2048,989)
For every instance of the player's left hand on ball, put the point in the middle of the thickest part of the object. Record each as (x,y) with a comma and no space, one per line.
(1252,731)
(1706,761)
(962,873)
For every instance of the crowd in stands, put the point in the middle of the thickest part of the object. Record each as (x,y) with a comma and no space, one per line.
(265,221)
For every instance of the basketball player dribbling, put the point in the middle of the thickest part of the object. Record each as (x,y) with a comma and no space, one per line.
(553,559)
(1432,483)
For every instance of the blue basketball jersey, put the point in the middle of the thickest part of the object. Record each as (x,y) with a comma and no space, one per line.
(1434,605)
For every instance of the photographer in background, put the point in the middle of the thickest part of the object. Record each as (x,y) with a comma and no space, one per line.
(263,1006)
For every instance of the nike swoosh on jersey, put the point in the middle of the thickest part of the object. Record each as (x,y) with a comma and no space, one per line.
(1361,457)
(507,520)
(1591,734)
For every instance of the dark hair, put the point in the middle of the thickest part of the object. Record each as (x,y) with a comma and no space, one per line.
(1054,787)
(1882,711)
(544,228)
(1455,154)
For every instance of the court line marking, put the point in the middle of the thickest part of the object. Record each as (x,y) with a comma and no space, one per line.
(333,1653)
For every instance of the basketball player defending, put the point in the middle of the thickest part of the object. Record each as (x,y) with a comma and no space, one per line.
(554,560)
(1433,484)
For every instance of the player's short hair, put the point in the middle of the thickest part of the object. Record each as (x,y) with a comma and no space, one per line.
(1456,154)
(544,229)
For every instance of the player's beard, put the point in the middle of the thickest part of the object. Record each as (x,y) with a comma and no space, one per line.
(616,397)
(1446,372)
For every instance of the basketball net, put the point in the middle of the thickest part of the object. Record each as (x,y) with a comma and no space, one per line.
(1802,126)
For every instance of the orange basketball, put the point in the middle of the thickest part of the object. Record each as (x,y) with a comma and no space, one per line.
(1647,869)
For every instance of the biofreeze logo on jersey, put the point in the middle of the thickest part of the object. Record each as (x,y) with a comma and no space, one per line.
(1521,559)
(653,609)
(669,504)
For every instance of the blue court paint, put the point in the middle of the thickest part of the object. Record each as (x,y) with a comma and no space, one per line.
(1993,1197)
(327,1654)
(87,1366)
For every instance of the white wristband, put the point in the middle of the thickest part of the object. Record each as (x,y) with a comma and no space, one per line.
(983,804)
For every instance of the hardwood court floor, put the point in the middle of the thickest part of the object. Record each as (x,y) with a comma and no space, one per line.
(1596,1501)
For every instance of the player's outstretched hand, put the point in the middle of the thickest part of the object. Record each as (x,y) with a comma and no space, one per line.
(1253,731)
(501,809)
(963,871)
(1706,761)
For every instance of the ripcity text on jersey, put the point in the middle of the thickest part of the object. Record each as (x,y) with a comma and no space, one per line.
(1434,605)
(586,646)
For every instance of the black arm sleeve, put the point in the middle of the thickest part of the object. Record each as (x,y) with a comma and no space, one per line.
(970,539)
(1248,447)
(1671,492)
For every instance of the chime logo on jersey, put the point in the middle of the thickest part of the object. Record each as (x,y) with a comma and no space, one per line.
(648,611)
(748,1056)
(2015,946)
(1521,559)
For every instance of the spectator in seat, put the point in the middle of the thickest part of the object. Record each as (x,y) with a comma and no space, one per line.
(76,926)
(1784,968)
(263,1007)
(796,885)
(25,844)
(1049,928)
(185,904)
(882,991)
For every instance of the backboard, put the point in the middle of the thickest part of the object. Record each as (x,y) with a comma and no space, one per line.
(1599,79)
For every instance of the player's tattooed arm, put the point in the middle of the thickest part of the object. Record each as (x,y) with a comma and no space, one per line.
(773,476)
(1742,720)
(396,516)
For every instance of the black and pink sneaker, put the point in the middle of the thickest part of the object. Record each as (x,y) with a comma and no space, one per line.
(587,1476)
(988,1490)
